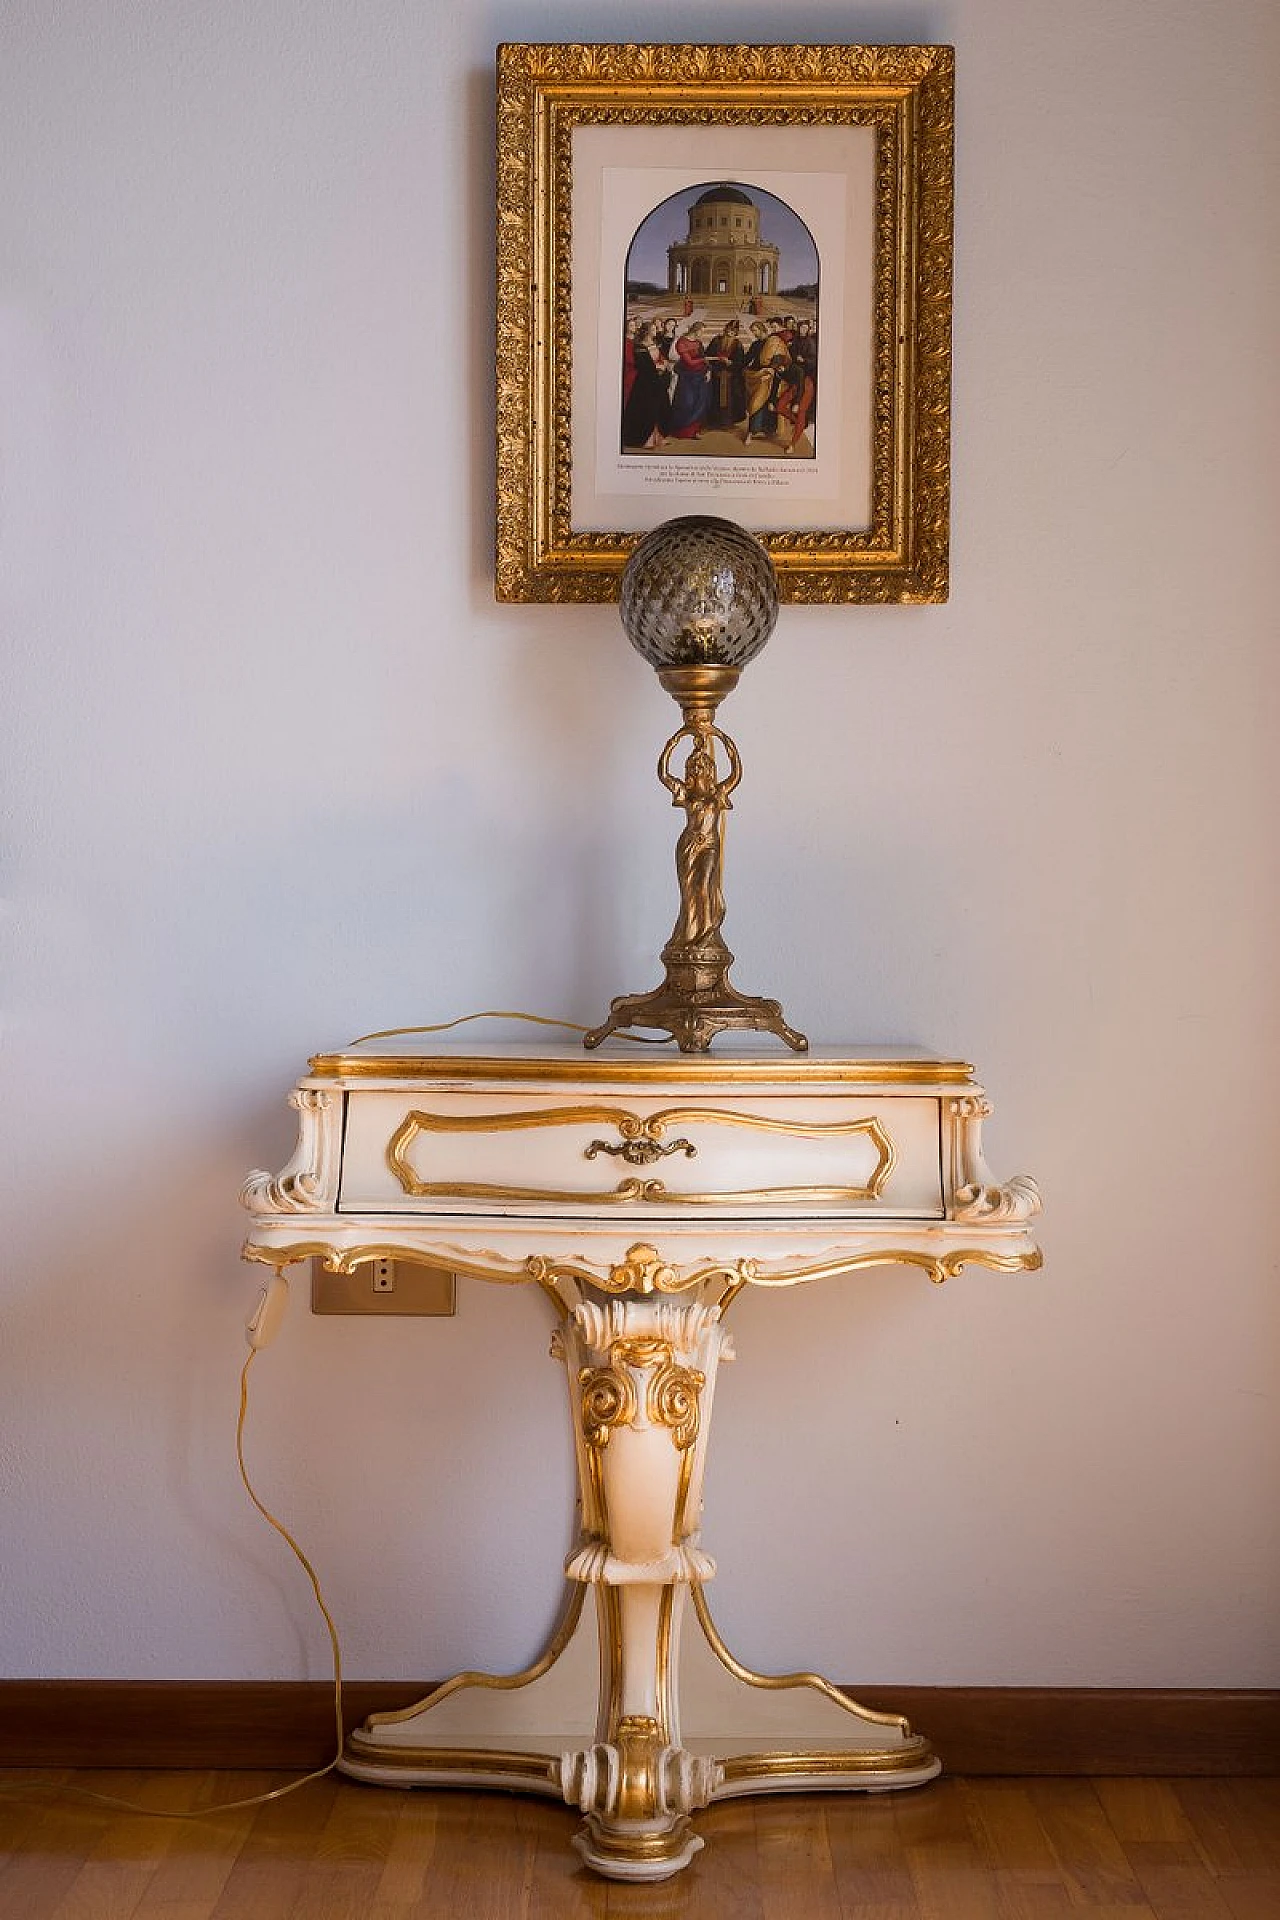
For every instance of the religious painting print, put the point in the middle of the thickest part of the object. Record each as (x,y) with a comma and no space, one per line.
(720,339)
(724,287)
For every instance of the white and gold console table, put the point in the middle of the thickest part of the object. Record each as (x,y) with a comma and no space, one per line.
(641,1191)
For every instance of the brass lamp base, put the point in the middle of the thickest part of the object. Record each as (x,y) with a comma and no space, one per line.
(696,1000)
(694,1017)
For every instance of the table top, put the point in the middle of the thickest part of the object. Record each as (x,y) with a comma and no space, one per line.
(749,1058)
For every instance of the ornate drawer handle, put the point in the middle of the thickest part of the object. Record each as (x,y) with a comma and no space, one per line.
(641,1153)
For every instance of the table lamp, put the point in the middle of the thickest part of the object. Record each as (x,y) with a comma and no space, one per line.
(699,600)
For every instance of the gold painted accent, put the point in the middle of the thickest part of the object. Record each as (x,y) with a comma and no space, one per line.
(643,1271)
(666,1626)
(905,95)
(474,1760)
(660,1069)
(769,1123)
(609,1622)
(338,1260)
(776,1682)
(640,1743)
(671,1391)
(656,1192)
(938,1266)
(561,1305)
(610,1843)
(729,1295)
(643,1192)
(682,1526)
(625,1191)
(630,1125)
(827,1763)
(641,1135)
(544,1272)
(673,1399)
(282,1257)
(575,1594)
(608,1401)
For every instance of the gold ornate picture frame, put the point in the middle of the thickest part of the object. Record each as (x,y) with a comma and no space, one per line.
(618,157)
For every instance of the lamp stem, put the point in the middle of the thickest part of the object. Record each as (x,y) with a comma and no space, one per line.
(696,999)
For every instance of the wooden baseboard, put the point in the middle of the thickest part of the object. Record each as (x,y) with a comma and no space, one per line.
(977,1730)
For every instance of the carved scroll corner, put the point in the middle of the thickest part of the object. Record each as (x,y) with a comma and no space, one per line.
(307,1183)
(1014,1203)
(266,1193)
(640,1778)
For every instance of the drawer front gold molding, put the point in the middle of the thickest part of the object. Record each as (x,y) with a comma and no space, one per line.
(640,1141)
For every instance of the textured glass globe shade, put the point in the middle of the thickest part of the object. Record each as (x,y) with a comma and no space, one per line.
(699,592)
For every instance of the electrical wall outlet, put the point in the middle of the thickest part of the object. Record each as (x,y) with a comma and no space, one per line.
(384,1286)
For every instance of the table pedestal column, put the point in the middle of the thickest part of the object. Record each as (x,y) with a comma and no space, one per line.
(641,1377)
(673,1729)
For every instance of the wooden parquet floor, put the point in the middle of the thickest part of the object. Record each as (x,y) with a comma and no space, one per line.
(988,1849)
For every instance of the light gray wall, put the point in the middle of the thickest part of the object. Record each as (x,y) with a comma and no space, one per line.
(278,771)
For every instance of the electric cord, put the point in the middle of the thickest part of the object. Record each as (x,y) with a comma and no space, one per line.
(258,1336)
(534,1019)
(23,1788)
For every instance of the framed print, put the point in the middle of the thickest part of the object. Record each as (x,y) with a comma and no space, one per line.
(724,286)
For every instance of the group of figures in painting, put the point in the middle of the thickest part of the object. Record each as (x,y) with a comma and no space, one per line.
(737,373)
(745,387)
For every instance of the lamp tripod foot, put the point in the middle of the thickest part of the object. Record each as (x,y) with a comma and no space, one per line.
(693,1024)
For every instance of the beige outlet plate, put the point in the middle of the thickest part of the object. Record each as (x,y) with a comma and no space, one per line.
(390,1287)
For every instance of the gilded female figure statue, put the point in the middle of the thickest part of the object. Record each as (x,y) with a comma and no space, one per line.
(700,848)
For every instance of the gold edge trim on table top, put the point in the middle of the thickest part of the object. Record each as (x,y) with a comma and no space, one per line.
(917,1073)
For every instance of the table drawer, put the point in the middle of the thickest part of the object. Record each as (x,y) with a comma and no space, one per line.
(467,1153)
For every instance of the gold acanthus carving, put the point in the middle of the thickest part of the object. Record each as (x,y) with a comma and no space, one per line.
(610,1398)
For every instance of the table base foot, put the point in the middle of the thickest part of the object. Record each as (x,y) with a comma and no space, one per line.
(741,1733)
(623,1856)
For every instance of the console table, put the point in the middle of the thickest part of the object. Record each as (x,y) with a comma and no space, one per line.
(641,1191)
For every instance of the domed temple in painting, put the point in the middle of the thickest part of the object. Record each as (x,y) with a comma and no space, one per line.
(723,254)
